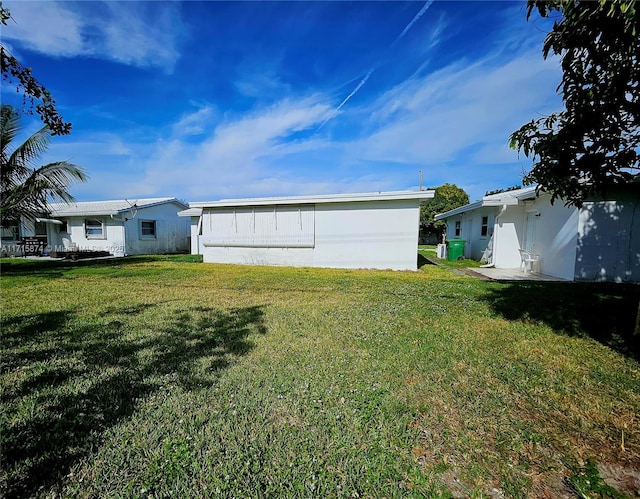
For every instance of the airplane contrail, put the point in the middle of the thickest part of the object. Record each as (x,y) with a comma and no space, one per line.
(368,75)
(362,82)
(424,8)
(358,87)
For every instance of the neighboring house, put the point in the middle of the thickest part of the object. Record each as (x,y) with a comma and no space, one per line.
(120,227)
(373,230)
(598,242)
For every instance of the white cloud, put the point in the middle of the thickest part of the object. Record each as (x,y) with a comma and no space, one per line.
(434,119)
(261,83)
(133,33)
(454,124)
(195,123)
(141,33)
(234,155)
(45,27)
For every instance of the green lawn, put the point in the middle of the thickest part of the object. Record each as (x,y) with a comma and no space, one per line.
(159,376)
(430,252)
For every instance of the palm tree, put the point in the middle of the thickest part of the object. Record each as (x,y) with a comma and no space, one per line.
(26,189)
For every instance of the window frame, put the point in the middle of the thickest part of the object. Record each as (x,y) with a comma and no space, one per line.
(148,236)
(87,235)
(484,226)
(457,228)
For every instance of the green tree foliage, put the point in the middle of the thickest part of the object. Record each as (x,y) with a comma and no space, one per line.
(34,94)
(446,197)
(24,188)
(594,143)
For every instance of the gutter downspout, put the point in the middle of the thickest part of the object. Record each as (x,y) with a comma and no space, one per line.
(492,263)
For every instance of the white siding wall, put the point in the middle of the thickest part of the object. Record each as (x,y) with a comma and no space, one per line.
(172,231)
(261,227)
(509,237)
(381,235)
(260,235)
(608,245)
(556,235)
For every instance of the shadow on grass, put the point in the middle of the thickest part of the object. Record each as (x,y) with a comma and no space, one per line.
(605,312)
(76,380)
(423,261)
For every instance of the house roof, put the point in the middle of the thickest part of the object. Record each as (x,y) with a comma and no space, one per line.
(112,207)
(508,198)
(191,212)
(318,199)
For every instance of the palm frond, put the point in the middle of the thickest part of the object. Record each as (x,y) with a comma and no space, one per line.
(27,153)
(25,190)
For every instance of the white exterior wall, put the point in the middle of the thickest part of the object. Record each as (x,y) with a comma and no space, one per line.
(556,232)
(553,237)
(380,235)
(364,234)
(124,237)
(112,240)
(608,244)
(508,234)
(292,257)
(172,231)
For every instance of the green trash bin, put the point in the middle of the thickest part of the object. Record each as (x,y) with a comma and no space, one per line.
(455,249)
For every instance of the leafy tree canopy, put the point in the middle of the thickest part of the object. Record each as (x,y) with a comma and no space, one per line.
(446,197)
(594,143)
(34,94)
(25,188)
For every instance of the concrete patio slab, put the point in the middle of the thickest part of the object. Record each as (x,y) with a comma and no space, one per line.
(509,275)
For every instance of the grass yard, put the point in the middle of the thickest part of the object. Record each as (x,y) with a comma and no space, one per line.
(159,376)
(430,252)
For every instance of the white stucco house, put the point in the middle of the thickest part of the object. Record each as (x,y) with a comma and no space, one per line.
(119,227)
(366,230)
(598,242)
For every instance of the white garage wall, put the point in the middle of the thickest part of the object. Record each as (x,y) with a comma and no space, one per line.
(368,235)
(363,234)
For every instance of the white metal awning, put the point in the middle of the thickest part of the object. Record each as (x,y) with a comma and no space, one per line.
(49,221)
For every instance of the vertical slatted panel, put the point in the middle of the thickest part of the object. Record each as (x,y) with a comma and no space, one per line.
(262,226)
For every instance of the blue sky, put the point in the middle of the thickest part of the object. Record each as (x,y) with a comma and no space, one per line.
(210,100)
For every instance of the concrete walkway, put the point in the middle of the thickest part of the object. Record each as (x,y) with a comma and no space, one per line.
(493,274)
(508,275)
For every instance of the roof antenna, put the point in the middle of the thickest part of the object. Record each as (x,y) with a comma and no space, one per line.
(133,210)
(421,177)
